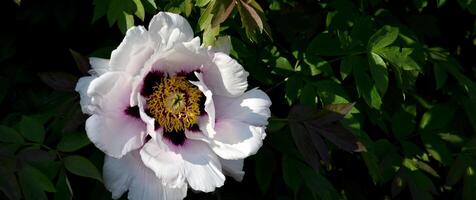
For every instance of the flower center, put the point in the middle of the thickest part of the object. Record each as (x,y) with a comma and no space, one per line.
(174,103)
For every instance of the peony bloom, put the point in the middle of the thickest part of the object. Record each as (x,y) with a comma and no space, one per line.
(170,113)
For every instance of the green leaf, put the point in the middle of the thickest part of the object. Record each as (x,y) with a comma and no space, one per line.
(308,95)
(291,175)
(264,165)
(318,183)
(72,142)
(10,135)
(437,117)
(440,75)
(469,193)
(140,12)
(325,44)
(403,122)
(100,8)
(378,70)
(31,129)
(82,167)
(436,148)
(469,5)
(456,171)
(317,65)
(331,92)
(399,57)
(292,88)
(346,67)
(283,66)
(63,187)
(365,87)
(382,38)
(36,178)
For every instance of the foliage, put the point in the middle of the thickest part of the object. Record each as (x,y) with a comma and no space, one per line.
(368,95)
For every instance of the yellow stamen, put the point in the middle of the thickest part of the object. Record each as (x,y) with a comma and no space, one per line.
(175,103)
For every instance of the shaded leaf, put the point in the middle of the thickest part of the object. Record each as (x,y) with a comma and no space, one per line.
(60,81)
(82,62)
(10,135)
(72,142)
(264,165)
(31,129)
(378,70)
(81,166)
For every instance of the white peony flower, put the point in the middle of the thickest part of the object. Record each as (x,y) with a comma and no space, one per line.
(170,113)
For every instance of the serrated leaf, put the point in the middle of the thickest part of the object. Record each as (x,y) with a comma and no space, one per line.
(10,135)
(378,70)
(81,166)
(32,129)
(72,142)
(382,38)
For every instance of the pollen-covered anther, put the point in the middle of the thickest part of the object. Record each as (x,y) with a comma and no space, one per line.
(174,103)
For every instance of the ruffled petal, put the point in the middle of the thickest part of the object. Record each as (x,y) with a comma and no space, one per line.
(236,140)
(233,168)
(133,52)
(111,128)
(167,29)
(225,77)
(85,101)
(206,123)
(115,136)
(129,173)
(184,57)
(251,108)
(99,66)
(193,162)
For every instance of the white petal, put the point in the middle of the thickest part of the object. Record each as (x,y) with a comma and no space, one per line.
(116,136)
(233,168)
(193,161)
(167,29)
(99,66)
(252,107)
(236,140)
(206,123)
(129,173)
(184,57)
(222,44)
(85,101)
(133,52)
(111,91)
(110,128)
(226,77)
